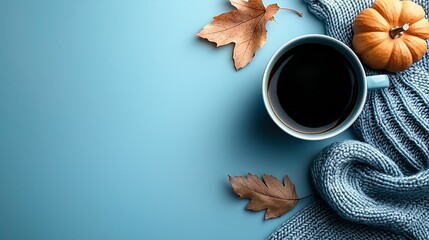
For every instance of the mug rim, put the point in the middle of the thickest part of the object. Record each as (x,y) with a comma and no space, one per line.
(357,66)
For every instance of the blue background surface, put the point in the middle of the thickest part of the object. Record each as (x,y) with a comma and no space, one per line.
(117,122)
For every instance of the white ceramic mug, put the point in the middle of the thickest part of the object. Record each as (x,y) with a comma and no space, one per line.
(364,83)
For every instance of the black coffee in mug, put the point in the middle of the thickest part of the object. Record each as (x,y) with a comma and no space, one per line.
(312,88)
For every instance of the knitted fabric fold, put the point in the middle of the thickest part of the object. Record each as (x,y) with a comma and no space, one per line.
(377,188)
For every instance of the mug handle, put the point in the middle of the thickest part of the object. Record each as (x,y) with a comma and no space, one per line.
(377,81)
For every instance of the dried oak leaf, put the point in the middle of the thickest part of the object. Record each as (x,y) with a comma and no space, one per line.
(244,26)
(269,194)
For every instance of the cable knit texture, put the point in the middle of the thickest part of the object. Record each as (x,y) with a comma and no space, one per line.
(377,188)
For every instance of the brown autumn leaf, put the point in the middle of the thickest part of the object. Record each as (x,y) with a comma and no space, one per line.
(269,194)
(244,26)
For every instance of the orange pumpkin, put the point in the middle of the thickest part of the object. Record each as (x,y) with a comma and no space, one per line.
(391,35)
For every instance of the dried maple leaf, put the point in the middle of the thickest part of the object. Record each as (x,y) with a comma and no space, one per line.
(269,194)
(244,26)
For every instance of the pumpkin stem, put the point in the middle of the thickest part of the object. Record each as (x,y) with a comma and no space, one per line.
(396,32)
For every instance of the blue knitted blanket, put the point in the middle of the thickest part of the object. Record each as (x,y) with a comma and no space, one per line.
(377,188)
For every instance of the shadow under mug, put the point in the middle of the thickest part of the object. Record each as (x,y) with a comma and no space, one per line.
(363,84)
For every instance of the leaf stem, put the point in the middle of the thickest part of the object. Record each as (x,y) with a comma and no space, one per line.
(299,199)
(305,197)
(293,10)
